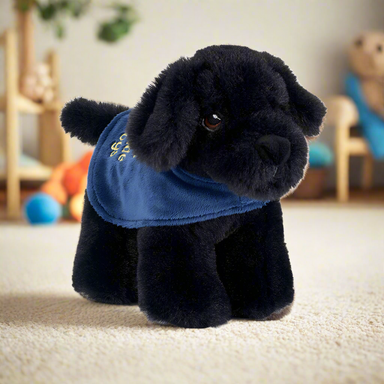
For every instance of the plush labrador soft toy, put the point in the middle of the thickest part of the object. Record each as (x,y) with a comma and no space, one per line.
(182,211)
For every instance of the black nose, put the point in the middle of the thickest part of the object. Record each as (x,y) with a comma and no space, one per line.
(274,148)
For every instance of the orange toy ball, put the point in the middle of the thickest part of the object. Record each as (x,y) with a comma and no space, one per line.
(55,190)
(72,178)
(76,206)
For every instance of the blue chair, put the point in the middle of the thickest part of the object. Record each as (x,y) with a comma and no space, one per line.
(344,113)
(370,124)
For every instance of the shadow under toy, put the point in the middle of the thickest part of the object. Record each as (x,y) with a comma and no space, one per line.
(182,212)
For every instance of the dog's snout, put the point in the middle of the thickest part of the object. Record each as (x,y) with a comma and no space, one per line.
(274,148)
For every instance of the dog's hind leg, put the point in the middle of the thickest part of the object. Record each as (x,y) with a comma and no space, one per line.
(106,260)
(254,267)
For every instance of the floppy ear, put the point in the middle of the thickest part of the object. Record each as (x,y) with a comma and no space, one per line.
(161,126)
(306,109)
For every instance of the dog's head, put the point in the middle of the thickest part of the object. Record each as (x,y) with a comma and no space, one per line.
(366,54)
(232,114)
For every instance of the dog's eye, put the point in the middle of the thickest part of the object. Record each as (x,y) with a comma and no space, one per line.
(212,122)
(379,48)
(359,42)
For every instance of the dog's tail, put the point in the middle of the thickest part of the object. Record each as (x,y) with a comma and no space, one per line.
(86,119)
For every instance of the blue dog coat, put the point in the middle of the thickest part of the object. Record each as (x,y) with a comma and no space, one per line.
(126,192)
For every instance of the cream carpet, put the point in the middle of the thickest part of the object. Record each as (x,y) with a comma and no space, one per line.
(335,333)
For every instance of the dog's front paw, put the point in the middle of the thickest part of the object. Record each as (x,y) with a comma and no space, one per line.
(280,313)
(115,298)
(187,311)
(189,317)
(265,310)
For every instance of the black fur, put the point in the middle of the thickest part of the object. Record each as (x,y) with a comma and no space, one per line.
(306,109)
(255,93)
(203,274)
(106,260)
(87,119)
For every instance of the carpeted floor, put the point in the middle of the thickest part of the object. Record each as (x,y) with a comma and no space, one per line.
(335,333)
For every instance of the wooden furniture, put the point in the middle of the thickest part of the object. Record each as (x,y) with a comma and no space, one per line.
(53,144)
(343,115)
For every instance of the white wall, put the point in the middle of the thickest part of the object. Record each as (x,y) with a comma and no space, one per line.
(310,36)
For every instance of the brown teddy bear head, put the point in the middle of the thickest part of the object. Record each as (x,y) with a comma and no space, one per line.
(366,54)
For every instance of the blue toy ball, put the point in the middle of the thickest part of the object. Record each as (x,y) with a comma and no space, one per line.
(42,209)
(320,155)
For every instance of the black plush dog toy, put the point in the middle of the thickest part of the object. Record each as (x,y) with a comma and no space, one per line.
(182,211)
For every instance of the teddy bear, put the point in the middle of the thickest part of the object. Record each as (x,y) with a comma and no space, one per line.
(182,211)
(366,58)
(365,86)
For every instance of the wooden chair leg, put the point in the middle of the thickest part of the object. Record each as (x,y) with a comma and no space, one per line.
(54,64)
(342,175)
(49,145)
(12,159)
(367,172)
(63,138)
(11,127)
(53,142)
(65,148)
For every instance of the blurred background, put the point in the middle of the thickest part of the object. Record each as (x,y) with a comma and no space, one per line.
(311,37)
(52,51)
